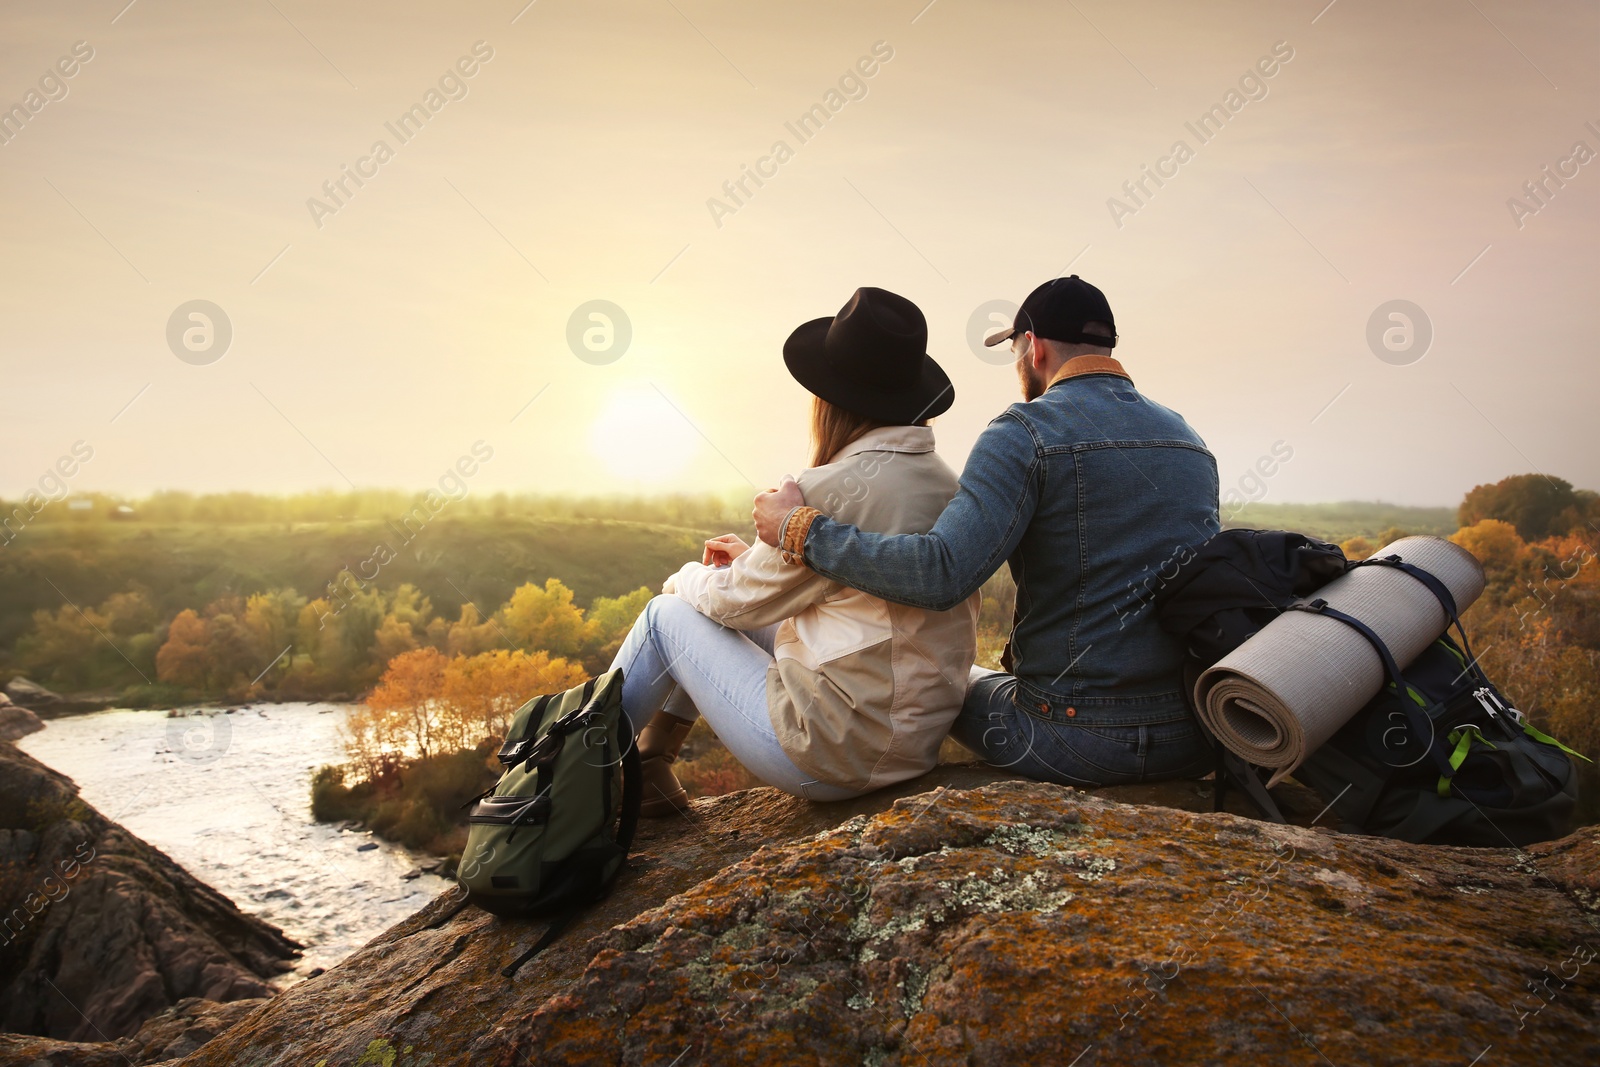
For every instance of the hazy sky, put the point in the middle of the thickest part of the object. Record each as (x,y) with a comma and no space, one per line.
(376,338)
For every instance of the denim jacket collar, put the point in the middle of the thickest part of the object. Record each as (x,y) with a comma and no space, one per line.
(889,439)
(1089,364)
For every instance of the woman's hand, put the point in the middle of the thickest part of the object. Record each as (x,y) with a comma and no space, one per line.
(723,550)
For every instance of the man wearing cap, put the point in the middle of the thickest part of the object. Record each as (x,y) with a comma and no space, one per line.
(1092,493)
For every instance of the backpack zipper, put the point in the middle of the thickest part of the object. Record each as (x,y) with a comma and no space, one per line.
(1490,704)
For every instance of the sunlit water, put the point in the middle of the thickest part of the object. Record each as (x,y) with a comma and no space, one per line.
(228,797)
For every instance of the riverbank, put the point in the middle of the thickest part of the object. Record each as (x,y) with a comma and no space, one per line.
(102,930)
(227,797)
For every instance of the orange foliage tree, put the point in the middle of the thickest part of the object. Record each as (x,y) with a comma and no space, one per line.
(185,658)
(428,703)
(486,689)
(1537,626)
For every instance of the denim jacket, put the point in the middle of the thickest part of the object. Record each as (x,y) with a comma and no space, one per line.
(1091,493)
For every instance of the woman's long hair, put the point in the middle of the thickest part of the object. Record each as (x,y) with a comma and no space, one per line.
(833,429)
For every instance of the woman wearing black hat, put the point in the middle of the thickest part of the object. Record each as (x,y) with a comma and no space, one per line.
(818,689)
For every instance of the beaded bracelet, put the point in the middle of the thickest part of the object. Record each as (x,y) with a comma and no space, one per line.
(792,539)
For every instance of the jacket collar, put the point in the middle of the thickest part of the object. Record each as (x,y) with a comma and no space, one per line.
(889,439)
(1089,364)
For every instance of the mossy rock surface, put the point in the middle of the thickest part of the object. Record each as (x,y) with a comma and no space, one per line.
(969,920)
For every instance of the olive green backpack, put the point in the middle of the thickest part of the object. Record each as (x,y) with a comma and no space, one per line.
(554,832)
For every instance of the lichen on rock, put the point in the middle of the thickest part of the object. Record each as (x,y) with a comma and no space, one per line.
(986,922)
(1029,923)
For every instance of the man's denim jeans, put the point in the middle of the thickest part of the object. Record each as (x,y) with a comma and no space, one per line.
(1050,746)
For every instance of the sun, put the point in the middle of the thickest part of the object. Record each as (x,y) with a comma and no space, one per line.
(642,438)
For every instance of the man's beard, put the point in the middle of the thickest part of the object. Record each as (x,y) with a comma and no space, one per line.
(1033,383)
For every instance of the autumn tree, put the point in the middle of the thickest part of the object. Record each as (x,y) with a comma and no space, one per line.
(470,634)
(129,613)
(1536,505)
(608,621)
(1389,535)
(543,619)
(428,703)
(233,659)
(409,607)
(185,658)
(1495,543)
(1357,548)
(346,629)
(77,648)
(405,714)
(404,625)
(63,645)
(270,619)
(392,638)
(485,690)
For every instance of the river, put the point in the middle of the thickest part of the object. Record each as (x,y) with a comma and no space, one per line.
(229,798)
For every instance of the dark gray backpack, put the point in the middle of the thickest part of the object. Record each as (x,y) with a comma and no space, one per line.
(1438,756)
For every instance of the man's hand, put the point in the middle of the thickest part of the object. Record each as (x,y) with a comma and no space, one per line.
(772,506)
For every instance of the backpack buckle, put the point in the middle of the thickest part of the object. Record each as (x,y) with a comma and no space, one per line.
(574,719)
(529,750)
(514,752)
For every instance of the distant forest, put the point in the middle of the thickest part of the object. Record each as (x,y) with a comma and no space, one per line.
(391,505)
(181,597)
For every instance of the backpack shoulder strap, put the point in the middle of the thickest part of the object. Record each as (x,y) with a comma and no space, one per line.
(1232,768)
(1355,786)
(1432,814)
(632,786)
(515,749)
(558,926)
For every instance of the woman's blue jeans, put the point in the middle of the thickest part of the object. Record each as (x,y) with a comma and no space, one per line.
(678,661)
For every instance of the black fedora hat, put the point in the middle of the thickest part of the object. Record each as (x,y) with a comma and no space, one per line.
(871,359)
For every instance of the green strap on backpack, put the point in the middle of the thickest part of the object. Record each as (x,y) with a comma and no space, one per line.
(1462,740)
(554,832)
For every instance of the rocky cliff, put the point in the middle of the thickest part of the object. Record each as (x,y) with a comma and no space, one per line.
(16,721)
(176,1032)
(1007,923)
(99,931)
(966,919)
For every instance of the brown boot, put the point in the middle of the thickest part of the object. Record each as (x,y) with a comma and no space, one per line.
(659,743)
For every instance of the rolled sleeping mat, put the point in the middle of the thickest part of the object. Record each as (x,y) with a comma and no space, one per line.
(1277,697)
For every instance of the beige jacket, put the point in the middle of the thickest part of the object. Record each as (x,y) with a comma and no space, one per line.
(862,691)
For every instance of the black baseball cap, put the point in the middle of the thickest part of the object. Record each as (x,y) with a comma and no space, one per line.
(1058,310)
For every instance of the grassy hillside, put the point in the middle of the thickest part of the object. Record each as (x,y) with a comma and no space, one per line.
(454,558)
(1346,519)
